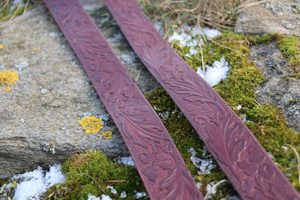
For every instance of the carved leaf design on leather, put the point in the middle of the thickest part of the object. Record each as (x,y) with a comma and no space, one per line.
(156,156)
(239,154)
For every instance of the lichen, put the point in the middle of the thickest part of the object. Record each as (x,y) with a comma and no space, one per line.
(91,173)
(7,89)
(107,135)
(2,46)
(91,124)
(8,78)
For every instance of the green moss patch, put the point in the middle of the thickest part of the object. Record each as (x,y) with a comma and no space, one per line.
(91,173)
(290,48)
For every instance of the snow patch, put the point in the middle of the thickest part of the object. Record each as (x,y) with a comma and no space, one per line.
(139,195)
(215,73)
(186,35)
(129,58)
(193,37)
(33,184)
(203,165)
(211,188)
(211,33)
(105,197)
(92,197)
(123,195)
(158,25)
(112,189)
(182,38)
(126,160)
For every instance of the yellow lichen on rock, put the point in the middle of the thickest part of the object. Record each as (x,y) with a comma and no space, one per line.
(7,89)
(91,124)
(2,46)
(8,78)
(107,135)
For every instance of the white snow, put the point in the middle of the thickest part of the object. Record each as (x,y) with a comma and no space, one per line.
(33,184)
(193,51)
(92,197)
(126,160)
(123,195)
(182,38)
(203,165)
(139,195)
(112,189)
(158,25)
(129,58)
(215,73)
(198,185)
(193,37)
(105,197)
(186,35)
(211,188)
(211,33)
(238,107)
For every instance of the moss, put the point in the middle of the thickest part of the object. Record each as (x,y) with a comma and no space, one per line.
(269,126)
(290,48)
(265,120)
(91,173)
(262,39)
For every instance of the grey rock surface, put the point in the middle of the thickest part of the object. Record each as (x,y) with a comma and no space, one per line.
(279,89)
(39,118)
(279,16)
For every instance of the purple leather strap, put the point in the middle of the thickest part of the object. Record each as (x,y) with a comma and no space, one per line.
(239,154)
(156,158)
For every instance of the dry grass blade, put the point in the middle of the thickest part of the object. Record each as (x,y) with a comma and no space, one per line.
(298,160)
(220,14)
(9,9)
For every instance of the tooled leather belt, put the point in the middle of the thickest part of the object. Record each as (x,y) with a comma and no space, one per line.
(236,150)
(156,158)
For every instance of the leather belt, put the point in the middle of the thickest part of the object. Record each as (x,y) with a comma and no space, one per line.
(156,158)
